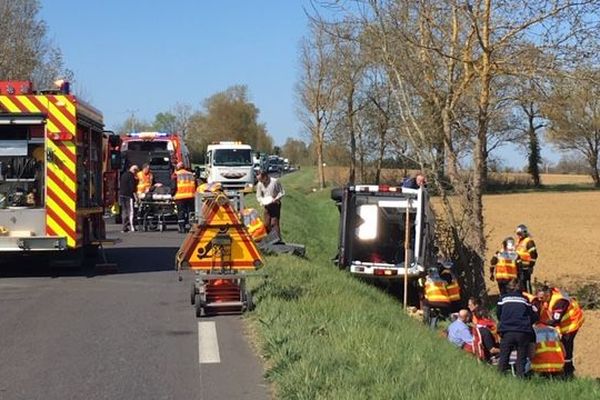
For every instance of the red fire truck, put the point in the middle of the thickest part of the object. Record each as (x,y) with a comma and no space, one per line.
(162,151)
(111,171)
(52,161)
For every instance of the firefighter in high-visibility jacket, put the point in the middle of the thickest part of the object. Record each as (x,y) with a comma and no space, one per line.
(256,228)
(528,256)
(436,300)
(565,314)
(145,180)
(183,187)
(452,286)
(504,264)
(548,356)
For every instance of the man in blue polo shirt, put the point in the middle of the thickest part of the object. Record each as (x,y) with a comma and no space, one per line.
(459,332)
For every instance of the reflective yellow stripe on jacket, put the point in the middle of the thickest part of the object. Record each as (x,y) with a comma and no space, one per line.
(453,290)
(144,182)
(549,356)
(506,268)
(572,319)
(523,252)
(435,291)
(186,186)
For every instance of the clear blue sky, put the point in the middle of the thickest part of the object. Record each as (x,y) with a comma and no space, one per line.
(144,56)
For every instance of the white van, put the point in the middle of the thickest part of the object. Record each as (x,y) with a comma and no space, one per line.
(231,164)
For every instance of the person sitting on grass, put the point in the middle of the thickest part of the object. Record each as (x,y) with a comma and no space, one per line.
(459,333)
(473,304)
(486,342)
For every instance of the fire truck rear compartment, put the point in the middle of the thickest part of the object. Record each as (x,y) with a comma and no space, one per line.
(22,182)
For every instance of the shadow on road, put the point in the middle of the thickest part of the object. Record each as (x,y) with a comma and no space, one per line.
(142,259)
(128,260)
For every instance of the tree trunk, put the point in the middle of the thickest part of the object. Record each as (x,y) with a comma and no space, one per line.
(319,145)
(352,172)
(451,162)
(362,168)
(380,158)
(594,169)
(534,147)
(477,237)
(320,168)
(350,116)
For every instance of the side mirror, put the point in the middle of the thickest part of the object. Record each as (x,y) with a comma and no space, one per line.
(115,160)
(114,140)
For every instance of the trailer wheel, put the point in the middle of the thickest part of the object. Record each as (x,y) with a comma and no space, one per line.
(199,306)
(193,294)
(153,224)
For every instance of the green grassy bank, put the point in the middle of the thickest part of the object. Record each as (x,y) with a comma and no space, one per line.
(326,335)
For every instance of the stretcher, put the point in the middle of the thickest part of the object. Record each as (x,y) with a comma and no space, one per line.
(221,253)
(156,211)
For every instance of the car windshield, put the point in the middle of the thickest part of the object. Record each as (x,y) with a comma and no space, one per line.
(146,145)
(232,157)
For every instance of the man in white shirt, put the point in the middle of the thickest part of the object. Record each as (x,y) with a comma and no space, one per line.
(269,193)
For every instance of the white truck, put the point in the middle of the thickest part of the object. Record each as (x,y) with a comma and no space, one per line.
(231,164)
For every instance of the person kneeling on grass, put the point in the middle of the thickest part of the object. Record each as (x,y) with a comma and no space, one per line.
(459,333)
(485,337)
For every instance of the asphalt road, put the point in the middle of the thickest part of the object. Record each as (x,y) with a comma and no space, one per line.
(68,334)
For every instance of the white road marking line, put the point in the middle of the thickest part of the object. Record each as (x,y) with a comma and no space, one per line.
(208,345)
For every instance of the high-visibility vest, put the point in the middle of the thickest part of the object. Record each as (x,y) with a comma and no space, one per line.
(144,181)
(523,251)
(453,287)
(549,355)
(543,310)
(256,228)
(506,268)
(186,185)
(435,292)
(573,318)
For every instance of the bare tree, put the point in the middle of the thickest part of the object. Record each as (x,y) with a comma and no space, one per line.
(25,51)
(349,68)
(574,113)
(316,91)
(183,113)
(529,100)
(379,115)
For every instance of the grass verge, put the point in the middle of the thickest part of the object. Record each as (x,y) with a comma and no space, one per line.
(326,335)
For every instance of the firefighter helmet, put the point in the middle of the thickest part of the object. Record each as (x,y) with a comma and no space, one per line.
(522,230)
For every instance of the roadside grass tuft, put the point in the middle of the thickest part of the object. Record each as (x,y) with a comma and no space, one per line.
(326,335)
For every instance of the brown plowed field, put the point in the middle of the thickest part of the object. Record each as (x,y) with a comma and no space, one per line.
(566,229)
